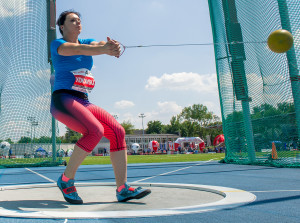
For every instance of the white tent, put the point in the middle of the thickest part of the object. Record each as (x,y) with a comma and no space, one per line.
(196,140)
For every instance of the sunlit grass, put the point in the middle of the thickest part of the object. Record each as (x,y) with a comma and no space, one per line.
(96,160)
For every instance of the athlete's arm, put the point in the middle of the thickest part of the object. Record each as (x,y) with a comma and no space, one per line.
(101,43)
(111,47)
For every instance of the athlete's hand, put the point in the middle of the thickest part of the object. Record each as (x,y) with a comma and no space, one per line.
(112,47)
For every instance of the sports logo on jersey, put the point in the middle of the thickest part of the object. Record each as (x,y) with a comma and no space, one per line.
(84,80)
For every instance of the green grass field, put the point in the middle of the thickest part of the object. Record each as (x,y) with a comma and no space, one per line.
(98,160)
(94,160)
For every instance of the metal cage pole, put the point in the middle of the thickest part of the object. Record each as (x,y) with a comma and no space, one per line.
(292,62)
(213,26)
(51,35)
(237,53)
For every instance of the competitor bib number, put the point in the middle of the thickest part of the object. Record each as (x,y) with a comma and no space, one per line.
(84,80)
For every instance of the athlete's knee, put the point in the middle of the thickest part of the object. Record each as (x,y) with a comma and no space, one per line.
(91,138)
(120,143)
(96,132)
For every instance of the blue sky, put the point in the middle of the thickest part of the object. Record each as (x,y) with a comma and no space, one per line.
(156,81)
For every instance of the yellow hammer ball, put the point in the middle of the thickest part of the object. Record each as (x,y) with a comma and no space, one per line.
(280,41)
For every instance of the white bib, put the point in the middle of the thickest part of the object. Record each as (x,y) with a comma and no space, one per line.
(84,80)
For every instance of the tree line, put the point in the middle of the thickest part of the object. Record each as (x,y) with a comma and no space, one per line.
(195,120)
(269,123)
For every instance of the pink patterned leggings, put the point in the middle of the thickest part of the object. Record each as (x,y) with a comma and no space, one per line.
(73,109)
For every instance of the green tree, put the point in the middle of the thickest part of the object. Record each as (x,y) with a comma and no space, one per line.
(74,138)
(71,136)
(286,107)
(190,129)
(24,139)
(236,116)
(154,127)
(266,110)
(128,127)
(44,139)
(173,127)
(195,119)
(198,113)
(60,139)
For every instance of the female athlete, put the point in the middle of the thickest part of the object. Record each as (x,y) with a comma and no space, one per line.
(72,61)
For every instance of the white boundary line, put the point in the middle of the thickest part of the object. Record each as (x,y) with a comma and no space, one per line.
(232,198)
(162,174)
(52,181)
(272,191)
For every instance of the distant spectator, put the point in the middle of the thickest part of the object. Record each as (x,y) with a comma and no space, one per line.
(9,153)
(179,149)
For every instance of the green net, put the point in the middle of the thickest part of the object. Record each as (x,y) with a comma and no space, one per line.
(26,132)
(259,90)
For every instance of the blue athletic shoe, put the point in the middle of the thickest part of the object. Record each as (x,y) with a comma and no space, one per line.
(129,193)
(69,191)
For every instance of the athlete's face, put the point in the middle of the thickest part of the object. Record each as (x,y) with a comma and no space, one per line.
(72,24)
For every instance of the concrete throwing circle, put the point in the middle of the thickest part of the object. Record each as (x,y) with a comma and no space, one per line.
(46,201)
